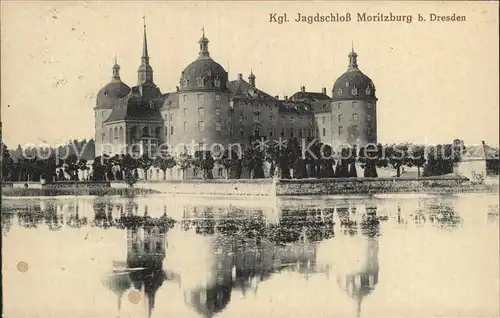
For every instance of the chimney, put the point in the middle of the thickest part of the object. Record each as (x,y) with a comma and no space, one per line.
(286,97)
(324,90)
(303,89)
(177,88)
(277,97)
(240,77)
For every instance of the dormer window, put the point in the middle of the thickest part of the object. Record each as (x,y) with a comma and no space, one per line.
(200,81)
(368,91)
(339,92)
(354,91)
(217,82)
(346,84)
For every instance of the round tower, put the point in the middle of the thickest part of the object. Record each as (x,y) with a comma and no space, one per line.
(202,118)
(108,97)
(354,106)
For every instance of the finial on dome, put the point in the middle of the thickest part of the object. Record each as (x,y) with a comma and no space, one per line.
(203,45)
(116,70)
(353,58)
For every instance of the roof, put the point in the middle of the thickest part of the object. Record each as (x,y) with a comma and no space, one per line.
(139,107)
(353,84)
(208,70)
(111,93)
(323,106)
(171,100)
(310,97)
(243,90)
(480,152)
(287,106)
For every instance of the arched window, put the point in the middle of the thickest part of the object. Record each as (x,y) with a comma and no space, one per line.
(354,91)
(116,133)
(121,134)
(339,92)
(110,134)
(133,132)
(145,131)
(158,132)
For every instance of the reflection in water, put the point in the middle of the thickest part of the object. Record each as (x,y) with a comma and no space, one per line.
(210,250)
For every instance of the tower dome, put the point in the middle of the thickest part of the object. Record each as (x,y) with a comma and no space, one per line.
(204,73)
(111,93)
(353,84)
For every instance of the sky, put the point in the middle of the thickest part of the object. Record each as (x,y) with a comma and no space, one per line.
(435,81)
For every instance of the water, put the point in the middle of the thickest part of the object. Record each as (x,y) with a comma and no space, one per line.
(166,256)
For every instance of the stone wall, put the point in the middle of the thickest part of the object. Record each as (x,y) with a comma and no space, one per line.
(255,187)
(367,185)
(76,184)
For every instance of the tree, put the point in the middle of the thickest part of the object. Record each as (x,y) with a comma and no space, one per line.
(371,157)
(228,160)
(7,164)
(417,157)
(145,163)
(397,156)
(184,162)
(163,163)
(204,161)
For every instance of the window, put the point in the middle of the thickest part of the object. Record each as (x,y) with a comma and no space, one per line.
(103,136)
(369,131)
(339,92)
(256,118)
(166,117)
(369,105)
(184,98)
(166,130)
(217,97)
(368,91)
(241,119)
(368,117)
(217,111)
(341,129)
(185,112)
(346,84)
(218,126)
(355,117)
(220,172)
(291,132)
(324,132)
(201,126)
(354,105)
(282,133)
(200,81)
(339,104)
(310,120)
(339,116)
(354,129)
(271,118)
(270,107)
(242,132)
(300,120)
(317,132)
(201,111)
(230,129)
(292,120)
(200,96)
(300,133)
(309,133)
(282,120)
(354,91)
(171,117)
(271,132)
(171,130)
(217,82)
(185,126)
(323,120)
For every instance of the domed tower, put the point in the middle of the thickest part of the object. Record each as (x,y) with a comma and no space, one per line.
(203,113)
(354,106)
(108,97)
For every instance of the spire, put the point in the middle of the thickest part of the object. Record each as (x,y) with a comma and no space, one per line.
(116,71)
(145,56)
(203,45)
(353,58)
(251,79)
(145,72)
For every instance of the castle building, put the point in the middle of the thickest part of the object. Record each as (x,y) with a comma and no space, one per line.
(207,110)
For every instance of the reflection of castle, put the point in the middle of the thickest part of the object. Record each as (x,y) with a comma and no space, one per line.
(143,270)
(361,283)
(247,251)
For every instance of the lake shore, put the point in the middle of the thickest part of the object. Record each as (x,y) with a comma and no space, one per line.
(260,187)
